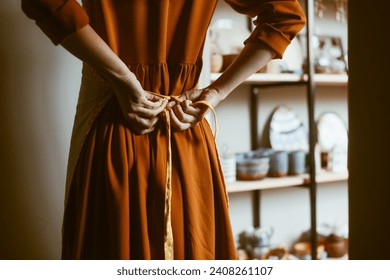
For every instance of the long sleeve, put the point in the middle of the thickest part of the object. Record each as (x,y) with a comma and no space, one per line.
(56,18)
(277,23)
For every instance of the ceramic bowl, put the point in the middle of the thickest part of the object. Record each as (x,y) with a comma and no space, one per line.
(228,165)
(302,250)
(252,173)
(252,166)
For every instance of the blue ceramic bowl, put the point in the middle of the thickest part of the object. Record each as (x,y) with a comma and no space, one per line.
(252,166)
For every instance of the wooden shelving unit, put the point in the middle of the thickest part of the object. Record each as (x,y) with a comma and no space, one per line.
(285,182)
(268,78)
(309,80)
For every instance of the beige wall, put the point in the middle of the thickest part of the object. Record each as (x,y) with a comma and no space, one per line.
(38,92)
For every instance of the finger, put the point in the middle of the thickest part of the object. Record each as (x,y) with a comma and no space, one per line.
(176,123)
(152,97)
(139,123)
(175,100)
(179,98)
(154,103)
(171,104)
(145,123)
(188,108)
(182,116)
(193,94)
(148,112)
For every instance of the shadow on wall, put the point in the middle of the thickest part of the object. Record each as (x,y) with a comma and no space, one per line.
(38,93)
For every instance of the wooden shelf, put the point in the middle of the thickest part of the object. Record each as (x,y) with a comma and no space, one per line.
(327,177)
(269,78)
(284,182)
(331,79)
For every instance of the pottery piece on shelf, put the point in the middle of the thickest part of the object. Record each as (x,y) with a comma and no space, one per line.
(216,63)
(252,166)
(287,132)
(335,246)
(331,131)
(227,60)
(228,35)
(296,162)
(228,164)
(333,141)
(278,253)
(242,254)
(293,59)
(302,250)
(256,241)
(278,164)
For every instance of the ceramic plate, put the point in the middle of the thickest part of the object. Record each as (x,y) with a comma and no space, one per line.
(287,132)
(331,131)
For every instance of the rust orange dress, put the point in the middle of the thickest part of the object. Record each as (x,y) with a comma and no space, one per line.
(115,197)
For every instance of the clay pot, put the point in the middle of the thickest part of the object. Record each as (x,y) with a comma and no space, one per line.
(279,253)
(296,162)
(335,246)
(216,63)
(262,70)
(227,60)
(279,164)
(302,250)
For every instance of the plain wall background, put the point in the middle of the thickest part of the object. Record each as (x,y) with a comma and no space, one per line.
(39,86)
(38,94)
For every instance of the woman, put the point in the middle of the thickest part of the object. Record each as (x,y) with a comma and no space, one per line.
(144,179)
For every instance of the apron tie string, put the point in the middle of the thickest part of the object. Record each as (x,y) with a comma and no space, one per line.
(168,235)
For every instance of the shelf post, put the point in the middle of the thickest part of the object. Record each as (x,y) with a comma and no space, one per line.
(254,117)
(312,126)
(254,142)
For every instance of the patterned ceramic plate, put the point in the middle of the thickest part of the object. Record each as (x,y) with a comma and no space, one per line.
(331,131)
(287,132)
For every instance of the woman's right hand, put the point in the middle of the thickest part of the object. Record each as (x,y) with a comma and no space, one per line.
(140,108)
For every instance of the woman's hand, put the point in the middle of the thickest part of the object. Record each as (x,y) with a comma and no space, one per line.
(186,112)
(139,107)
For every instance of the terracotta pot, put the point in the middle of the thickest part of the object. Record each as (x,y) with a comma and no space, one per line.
(216,63)
(302,250)
(335,246)
(279,253)
(227,60)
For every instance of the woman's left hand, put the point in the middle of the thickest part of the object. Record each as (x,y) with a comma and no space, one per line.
(186,112)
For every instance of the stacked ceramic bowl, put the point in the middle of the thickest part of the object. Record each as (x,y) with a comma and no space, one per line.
(253,165)
(228,164)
